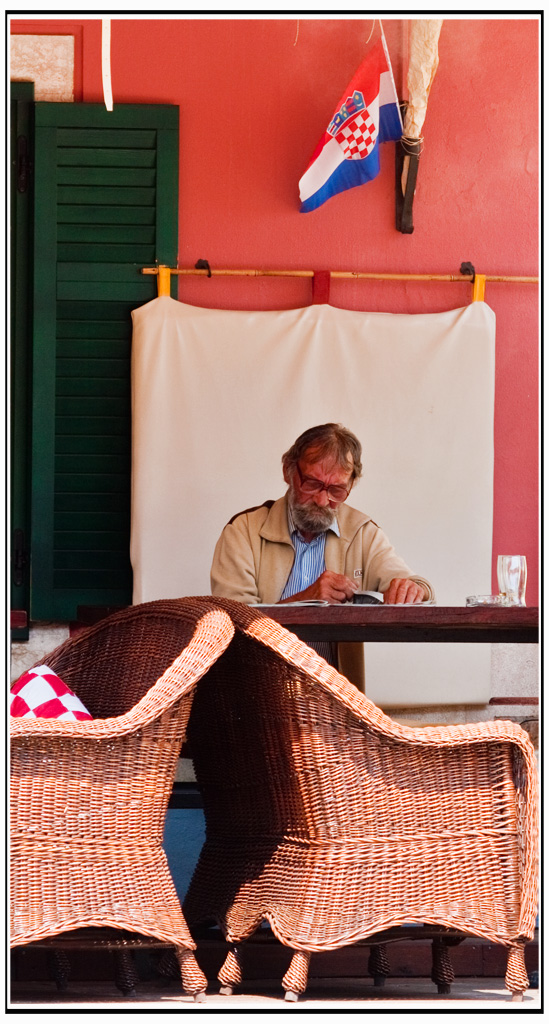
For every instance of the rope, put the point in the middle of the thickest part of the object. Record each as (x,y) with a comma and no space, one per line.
(372,30)
(410,144)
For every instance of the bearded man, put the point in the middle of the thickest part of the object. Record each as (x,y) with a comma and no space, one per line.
(310,545)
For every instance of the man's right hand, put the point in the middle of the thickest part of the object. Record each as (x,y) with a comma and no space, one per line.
(330,586)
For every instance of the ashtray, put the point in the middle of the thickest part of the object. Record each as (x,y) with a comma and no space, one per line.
(482,599)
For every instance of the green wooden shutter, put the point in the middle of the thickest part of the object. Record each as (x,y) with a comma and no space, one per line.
(106,200)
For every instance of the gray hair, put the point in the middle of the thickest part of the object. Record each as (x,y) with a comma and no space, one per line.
(329,440)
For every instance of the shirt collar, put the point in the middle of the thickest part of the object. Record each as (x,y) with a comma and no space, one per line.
(293,530)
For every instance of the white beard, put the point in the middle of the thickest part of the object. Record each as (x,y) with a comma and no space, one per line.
(310,518)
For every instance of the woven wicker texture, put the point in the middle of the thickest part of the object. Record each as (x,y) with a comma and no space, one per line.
(333,822)
(89,798)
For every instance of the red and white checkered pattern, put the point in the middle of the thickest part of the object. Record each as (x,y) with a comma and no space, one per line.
(40,693)
(358,137)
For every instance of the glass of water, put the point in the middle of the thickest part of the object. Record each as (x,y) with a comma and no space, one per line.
(512,578)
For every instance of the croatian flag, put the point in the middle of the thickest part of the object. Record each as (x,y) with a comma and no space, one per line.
(348,153)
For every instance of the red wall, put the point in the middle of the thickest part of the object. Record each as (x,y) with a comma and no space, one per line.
(255,96)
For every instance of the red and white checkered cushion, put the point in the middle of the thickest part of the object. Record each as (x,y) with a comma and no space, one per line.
(40,693)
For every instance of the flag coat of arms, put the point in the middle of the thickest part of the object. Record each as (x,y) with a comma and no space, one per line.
(366,115)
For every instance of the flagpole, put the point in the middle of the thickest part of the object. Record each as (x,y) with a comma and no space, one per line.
(389,65)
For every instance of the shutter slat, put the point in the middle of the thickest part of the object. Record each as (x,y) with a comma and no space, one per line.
(93,387)
(88,426)
(85,561)
(104,290)
(93,338)
(93,444)
(78,369)
(89,214)
(98,524)
(107,157)
(142,255)
(99,272)
(119,177)
(99,196)
(92,483)
(104,310)
(99,406)
(104,580)
(90,540)
(105,503)
(90,463)
(140,234)
(93,138)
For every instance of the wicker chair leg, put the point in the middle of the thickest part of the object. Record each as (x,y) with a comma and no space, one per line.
(295,979)
(230,974)
(378,964)
(125,973)
(516,978)
(59,968)
(442,972)
(193,980)
(168,965)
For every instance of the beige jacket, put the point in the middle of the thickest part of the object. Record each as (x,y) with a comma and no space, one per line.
(254,556)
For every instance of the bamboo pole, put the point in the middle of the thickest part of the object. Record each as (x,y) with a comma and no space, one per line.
(478,280)
(228,273)
(342,274)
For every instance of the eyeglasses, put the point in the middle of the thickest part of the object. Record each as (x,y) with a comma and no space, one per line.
(309,485)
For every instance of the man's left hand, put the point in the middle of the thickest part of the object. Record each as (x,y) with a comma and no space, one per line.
(404,592)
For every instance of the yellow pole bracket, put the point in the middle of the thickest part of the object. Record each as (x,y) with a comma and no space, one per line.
(163,283)
(479,285)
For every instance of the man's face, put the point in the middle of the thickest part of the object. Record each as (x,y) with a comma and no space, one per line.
(313,505)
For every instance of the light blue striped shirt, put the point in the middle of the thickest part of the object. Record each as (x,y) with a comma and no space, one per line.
(309,564)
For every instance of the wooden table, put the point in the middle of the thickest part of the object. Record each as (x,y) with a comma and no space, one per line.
(408,623)
(394,623)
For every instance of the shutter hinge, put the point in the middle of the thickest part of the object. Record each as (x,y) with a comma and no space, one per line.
(19,558)
(23,163)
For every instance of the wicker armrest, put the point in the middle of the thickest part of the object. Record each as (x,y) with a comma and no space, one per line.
(212,634)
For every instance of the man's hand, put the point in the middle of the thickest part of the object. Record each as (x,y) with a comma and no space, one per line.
(404,592)
(330,586)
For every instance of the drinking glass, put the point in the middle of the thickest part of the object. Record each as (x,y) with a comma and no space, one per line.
(512,578)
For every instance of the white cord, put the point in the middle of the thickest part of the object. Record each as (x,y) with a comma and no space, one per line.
(106,61)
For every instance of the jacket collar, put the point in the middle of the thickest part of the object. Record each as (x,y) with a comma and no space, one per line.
(275,527)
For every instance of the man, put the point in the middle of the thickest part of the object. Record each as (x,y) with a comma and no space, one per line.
(310,545)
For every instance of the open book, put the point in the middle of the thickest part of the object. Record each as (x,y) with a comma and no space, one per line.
(361,597)
(290,604)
